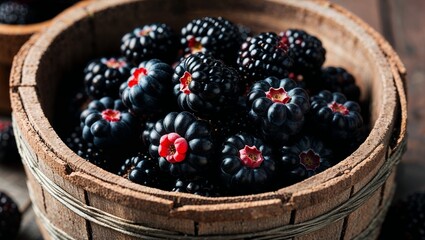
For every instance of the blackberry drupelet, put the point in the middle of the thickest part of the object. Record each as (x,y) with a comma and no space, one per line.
(10,217)
(278,107)
(305,49)
(8,150)
(89,151)
(405,218)
(198,186)
(155,40)
(108,125)
(215,35)
(303,159)
(334,118)
(263,56)
(182,144)
(338,79)
(247,165)
(130,163)
(103,76)
(206,86)
(142,169)
(149,90)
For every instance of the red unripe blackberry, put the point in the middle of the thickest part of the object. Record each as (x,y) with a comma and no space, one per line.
(278,107)
(247,165)
(103,76)
(213,35)
(155,40)
(182,144)
(263,56)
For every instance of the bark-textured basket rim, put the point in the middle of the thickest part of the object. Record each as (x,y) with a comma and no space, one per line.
(35,130)
(12,37)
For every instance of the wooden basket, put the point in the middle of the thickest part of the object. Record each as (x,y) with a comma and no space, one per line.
(12,37)
(74,199)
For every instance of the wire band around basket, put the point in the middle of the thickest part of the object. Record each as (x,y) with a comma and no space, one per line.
(137,230)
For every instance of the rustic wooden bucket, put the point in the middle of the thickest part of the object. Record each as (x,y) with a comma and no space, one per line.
(12,37)
(74,199)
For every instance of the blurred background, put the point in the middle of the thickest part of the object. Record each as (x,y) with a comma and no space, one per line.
(399,21)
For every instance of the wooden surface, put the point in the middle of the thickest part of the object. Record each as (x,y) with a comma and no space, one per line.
(400,22)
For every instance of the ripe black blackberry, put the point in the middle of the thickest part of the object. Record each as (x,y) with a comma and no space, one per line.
(8,150)
(10,217)
(247,165)
(89,151)
(338,79)
(206,86)
(334,118)
(108,125)
(405,218)
(182,144)
(143,169)
(303,159)
(263,56)
(198,186)
(155,40)
(215,35)
(278,107)
(13,12)
(305,49)
(103,76)
(149,89)
(31,11)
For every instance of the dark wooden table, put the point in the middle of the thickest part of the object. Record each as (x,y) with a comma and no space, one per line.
(401,23)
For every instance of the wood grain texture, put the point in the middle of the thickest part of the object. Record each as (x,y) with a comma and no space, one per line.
(408,39)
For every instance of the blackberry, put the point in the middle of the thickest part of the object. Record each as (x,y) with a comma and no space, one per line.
(305,49)
(149,89)
(144,170)
(278,107)
(245,32)
(198,186)
(108,125)
(8,150)
(155,40)
(206,86)
(89,151)
(263,56)
(215,35)
(335,118)
(10,217)
(12,12)
(303,159)
(103,76)
(182,144)
(247,165)
(405,218)
(338,79)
